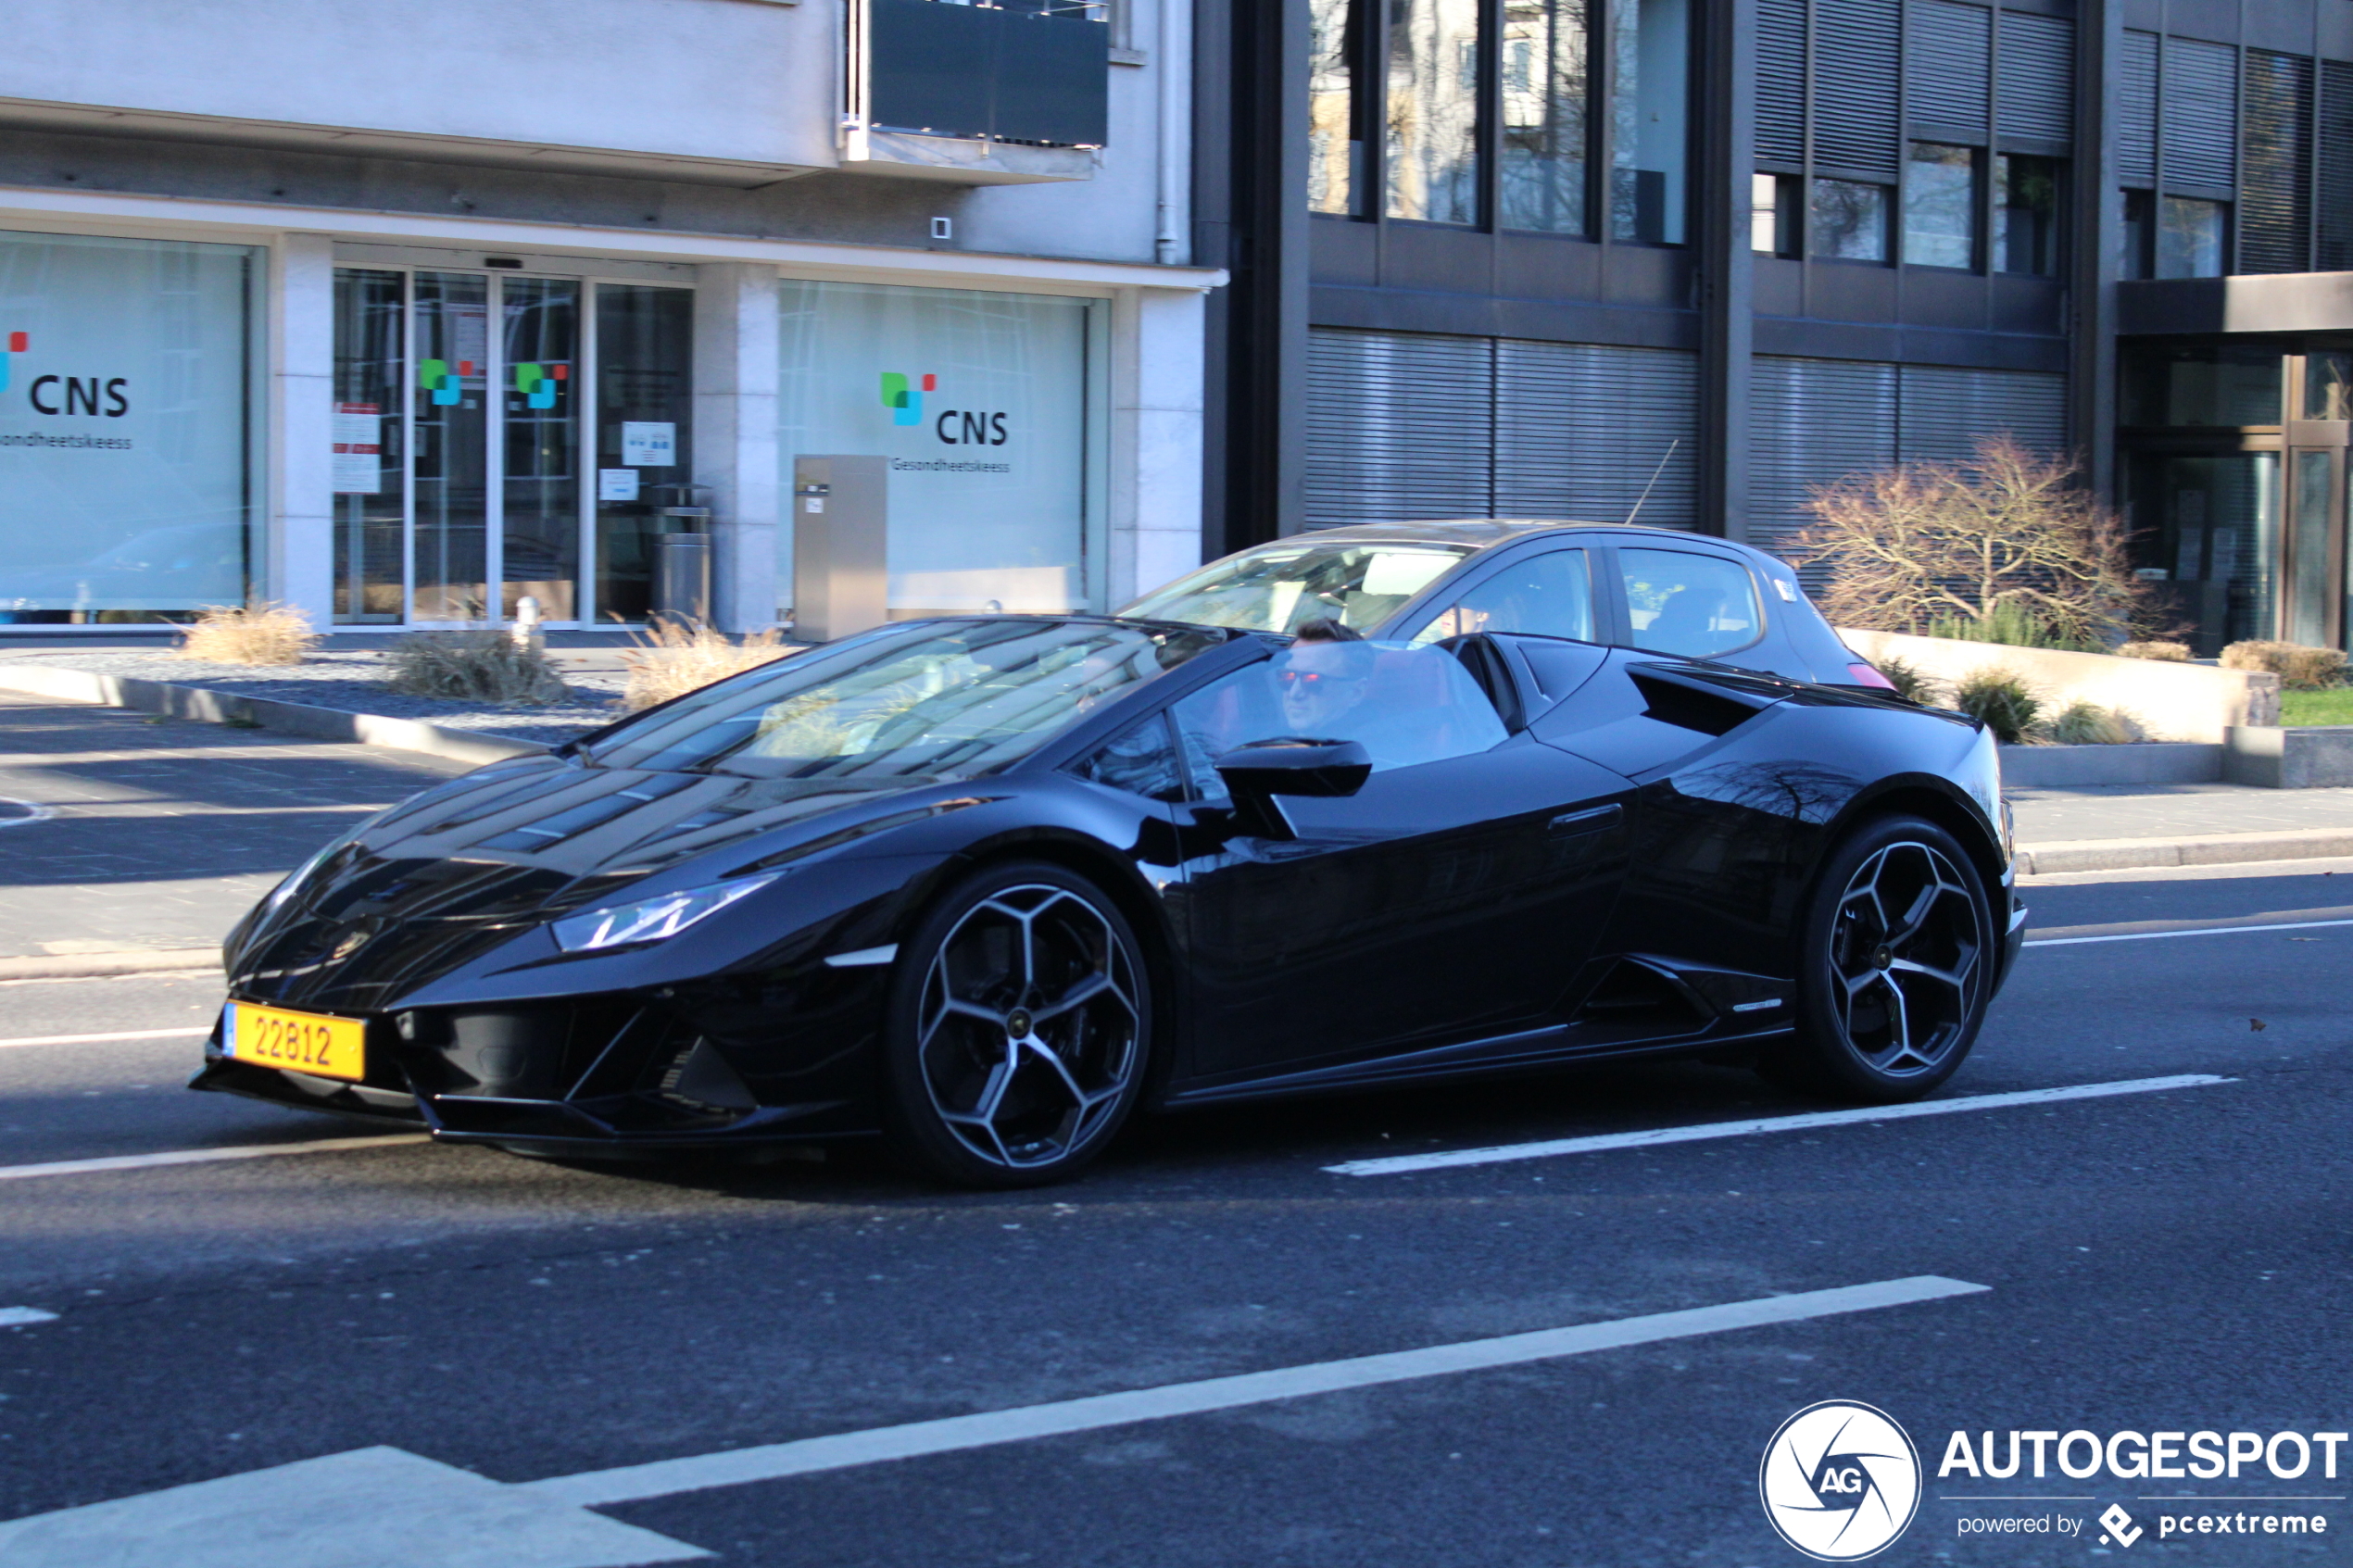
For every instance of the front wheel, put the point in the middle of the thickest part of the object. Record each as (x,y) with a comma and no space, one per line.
(1896,967)
(1019,1031)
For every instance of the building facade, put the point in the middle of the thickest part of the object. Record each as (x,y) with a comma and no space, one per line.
(404,320)
(1680,261)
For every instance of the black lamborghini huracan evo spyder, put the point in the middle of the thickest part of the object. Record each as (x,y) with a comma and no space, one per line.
(985,885)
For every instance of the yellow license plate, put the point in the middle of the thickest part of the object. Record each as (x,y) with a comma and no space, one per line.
(299,1042)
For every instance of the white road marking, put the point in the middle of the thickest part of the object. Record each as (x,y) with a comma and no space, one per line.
(100,1039)
(2201,930)
(201,1156)
(24,1317)
(1503,1153)
(600,1488)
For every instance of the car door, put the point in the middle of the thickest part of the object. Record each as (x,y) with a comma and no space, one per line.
(1452,897)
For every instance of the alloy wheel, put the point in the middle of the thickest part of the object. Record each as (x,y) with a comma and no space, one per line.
(1906,953)
(1028,1032)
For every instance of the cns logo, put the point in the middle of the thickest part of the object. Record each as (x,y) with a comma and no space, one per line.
(65,395)
(903,395)
(1840,1481)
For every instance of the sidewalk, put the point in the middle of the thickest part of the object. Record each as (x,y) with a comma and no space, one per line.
(160,832)
(2116,827)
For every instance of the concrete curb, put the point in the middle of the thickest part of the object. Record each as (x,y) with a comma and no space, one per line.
(265,713)
(92,966)
(2219,849)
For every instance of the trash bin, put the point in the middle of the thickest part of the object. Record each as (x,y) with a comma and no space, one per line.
(682,577)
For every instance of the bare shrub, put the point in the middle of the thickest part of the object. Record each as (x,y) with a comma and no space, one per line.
(2007,538)
(473,666)
(262,634)
(2299,668)
(674,657)
(2162,652)
(2002,701)
(2087,723)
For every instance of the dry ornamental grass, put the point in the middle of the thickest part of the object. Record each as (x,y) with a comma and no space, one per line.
(2299,668)
(2163,652)
(262,634)
(675,658)
(473,666)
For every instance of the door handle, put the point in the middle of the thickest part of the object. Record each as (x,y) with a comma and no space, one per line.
(1594,818)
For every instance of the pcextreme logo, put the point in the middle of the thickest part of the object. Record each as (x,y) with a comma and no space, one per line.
(539,384)
(1840,1481)
(903,395)
(108,396)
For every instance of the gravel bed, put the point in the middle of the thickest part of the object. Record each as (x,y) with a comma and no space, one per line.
(353,682)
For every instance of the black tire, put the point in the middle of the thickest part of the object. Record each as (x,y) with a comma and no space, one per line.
(1896,967)
(1011,1062)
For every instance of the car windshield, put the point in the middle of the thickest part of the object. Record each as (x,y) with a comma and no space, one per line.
(935,700)
(1282,587)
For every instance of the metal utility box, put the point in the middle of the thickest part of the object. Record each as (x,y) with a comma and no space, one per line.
(840,545)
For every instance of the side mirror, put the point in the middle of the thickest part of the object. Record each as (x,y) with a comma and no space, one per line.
(1258,775)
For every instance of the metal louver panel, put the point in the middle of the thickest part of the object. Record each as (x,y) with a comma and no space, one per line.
(1781,80)
(2275,184)
(2200,122)
(1399,425)
(2038,77)
(2336,168)
(1943,412)
(1855,118)
(2136,108)
(1948,78)
(1581,428)
(1811,422)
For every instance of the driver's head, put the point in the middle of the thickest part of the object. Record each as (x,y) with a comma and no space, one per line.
(1320,682)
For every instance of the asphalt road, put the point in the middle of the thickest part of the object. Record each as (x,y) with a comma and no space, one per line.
(2166,1260)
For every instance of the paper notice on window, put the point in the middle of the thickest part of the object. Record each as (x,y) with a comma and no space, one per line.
(648,444)
(616,484)
(358,450)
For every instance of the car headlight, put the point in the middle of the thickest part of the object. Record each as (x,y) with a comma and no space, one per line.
(652,920)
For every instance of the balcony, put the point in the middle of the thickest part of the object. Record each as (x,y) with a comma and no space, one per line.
(1011,92)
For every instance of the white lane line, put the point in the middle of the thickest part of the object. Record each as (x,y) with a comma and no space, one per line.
(24,1317)
(1503,1153)
(600,1488)
(100,1039)
(201,1156)
(2201,930)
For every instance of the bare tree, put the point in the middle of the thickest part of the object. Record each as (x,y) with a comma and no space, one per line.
(2007,535)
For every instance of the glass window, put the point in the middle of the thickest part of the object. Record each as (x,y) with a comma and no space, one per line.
(2328,385)
(2026,212)
(2201,383)
(1282,587)
(371,475)
(1772,216)
(645,349)
(1849,220)
(1650,119)
(2190,238)
(1335,151)
(1546,45)
(1404,705)
(981,403)
(1141,761)
(539,533)
(1433,110)
(125,424)
(937,700)
(1550,595)
(1692,604)
(1940,206)
(2138,218)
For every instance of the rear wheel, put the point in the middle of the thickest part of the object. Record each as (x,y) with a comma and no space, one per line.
(1019,1030)
(1896,967)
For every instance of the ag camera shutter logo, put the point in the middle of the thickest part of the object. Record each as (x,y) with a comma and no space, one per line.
(1840,1481)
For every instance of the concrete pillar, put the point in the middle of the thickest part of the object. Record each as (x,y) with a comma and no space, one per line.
(298,559)
(1155,504)
(734,437)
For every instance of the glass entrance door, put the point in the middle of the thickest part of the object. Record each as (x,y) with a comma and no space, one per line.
(2210,524)
(2314,609)
(449,533)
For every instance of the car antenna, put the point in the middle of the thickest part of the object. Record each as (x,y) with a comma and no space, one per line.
(1654,473)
